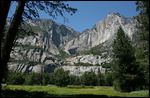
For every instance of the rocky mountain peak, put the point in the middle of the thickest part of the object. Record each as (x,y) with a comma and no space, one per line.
(114,14)
(104,30)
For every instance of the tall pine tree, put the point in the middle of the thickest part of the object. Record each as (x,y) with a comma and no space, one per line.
(142,42)
(128,75)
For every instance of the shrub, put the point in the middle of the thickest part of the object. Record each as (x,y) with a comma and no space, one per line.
(16,78)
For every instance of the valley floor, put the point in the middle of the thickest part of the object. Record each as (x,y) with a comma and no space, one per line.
(69,91)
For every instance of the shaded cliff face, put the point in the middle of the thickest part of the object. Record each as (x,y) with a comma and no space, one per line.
(60,34)
(103,31)
(37,53)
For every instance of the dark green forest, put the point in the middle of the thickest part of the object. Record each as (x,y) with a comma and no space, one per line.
(59,78)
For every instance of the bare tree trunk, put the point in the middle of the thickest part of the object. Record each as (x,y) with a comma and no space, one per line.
(10,37)
(5,5)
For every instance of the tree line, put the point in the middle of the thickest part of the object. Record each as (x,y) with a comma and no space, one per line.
(60,78)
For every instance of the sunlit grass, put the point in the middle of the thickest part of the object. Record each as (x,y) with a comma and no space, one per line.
(70,91)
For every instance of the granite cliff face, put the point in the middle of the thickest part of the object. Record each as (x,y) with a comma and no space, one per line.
(79,70)
(37,53)
(60,34)
(41,52)
(91,59)
(104,30)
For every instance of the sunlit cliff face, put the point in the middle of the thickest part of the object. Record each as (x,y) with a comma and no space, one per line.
(101,32)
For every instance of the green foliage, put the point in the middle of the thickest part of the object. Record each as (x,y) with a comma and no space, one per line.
(74,80)
(16,78)
(106,65)
(26,61)
(62,54)
(27,30)
(143,19)
(122,48)
(36,29)
(61,77)
(127,71)
(33,79)
(101,79)
(109,79)
(95,50)
(142,43)
(79,87)
(28,46)
(89,78)
(39,78)
(98,50)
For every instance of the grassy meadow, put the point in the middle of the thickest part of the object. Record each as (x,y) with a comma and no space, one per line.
(69,91)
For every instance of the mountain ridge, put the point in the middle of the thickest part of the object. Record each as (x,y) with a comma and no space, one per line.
(39,53)
(102,31)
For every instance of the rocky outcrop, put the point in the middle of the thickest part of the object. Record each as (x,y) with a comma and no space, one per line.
(31,67)
(79,70)
(95,61)
(91,59)
(101,32)
(31,59)
(41,40)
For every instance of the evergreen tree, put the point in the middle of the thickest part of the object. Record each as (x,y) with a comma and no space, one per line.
(100,79)
(51,78)
(74,80)
(143,19)
(89,79)
(108,79)
(142,42)
(61,77)
(128,75)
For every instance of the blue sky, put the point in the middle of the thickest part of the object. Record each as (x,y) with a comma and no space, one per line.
(90,12)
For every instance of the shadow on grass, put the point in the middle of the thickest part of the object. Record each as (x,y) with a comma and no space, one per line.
(84,95)
(23,93)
